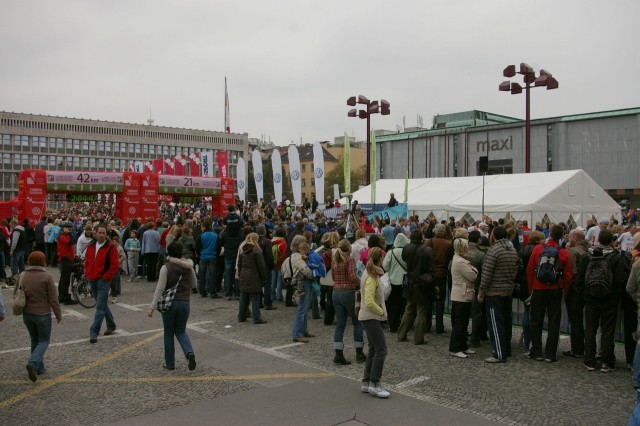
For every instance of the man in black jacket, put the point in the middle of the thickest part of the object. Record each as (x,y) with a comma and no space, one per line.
(230,240)
(420,268)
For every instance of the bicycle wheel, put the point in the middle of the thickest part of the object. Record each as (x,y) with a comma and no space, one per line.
(82,292)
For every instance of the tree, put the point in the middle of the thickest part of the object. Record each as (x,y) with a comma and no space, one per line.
(337,176)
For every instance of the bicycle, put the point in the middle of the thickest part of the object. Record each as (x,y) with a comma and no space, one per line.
(80,285)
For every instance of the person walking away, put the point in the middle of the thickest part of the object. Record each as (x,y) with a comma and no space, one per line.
(175,272)
(420,284)
(372,313)
(132,247)
(499,269)
(54,233)
(535,238)
(17,247)
(279,251)
(100,266)
(150,249)
(442,255)
(397,268)
(267,253)
(463,278)
(206,247)
(230,240)
(41,298)
(548,276)
(602,275)
(252,273)
(65,263)
(116,287)
(39,234)
(345,286)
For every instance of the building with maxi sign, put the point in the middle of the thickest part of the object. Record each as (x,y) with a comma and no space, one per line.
(137,194)
(30,141)
(606,145)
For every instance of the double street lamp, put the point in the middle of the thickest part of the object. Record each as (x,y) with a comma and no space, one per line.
(544,79)
(370,107)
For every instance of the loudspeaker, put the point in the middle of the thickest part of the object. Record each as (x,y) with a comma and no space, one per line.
(483,165)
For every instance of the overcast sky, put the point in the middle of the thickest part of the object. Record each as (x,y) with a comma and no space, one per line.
(291,65)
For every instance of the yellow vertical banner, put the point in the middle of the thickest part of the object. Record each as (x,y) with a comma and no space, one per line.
(373,167)
(347,164)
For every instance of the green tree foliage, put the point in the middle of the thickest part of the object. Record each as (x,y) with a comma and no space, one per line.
(337,176)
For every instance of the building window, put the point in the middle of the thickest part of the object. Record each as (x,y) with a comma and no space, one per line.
(100,147)
(304,168)
(24,142)
(60,144)
(92,163)
(107,147)
(165,150)
(100,163)
(152,150)
(172,151)
(6,142)
(92,147)
(137,146)
(145,150)
(76,163)
(6,160)
(69,143)
(85,147)
(52,162)
(304,182)
(107,164)
(85,163)
(116,165)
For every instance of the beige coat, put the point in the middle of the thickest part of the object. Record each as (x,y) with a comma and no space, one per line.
(463,278)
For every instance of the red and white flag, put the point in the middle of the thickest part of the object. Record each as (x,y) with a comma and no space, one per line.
(222,158)
(148,167)
(169,167)
(194,164)
(158,165)
(227,118)
(180,165)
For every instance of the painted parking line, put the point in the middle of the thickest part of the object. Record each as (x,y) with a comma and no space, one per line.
(130,307)
(74,313)
(411,382)
(44,385)
(119,333)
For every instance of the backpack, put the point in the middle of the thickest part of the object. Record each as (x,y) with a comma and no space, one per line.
(598,281)
(276,253)
(548,268)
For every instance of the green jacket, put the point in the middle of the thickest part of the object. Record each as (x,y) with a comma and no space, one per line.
(393,263)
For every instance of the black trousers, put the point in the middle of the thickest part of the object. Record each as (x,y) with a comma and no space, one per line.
(458,341)
(65,280)
(395,307)
(575,310)
(329,309)
(499,322)
(547,302)
(441,285)
(604,316)
(151,259)
(478,321)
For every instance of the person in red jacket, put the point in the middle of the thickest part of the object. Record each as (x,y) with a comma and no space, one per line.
(100,266)
(546,298)
(65,262)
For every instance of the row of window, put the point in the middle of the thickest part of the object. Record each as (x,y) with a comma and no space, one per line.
(91,147)
(81,128)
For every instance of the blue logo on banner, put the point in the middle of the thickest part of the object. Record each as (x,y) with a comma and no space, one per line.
(277,178)
(258,177)
(205,165)
(295,175)
(240,184)
(318,173)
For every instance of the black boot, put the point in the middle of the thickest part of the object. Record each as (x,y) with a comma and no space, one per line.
(340,359)
(360,356)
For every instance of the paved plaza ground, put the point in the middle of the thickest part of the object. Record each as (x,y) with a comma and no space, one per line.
(256,374)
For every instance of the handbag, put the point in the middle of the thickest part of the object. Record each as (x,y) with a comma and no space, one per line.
(166,299)
(19,298)
(385,282)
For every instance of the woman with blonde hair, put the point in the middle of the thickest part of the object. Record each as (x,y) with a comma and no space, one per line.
(372,312)
(345,286)
(252,272)
(301,275)
(41,297)
(463,278)
(329,243)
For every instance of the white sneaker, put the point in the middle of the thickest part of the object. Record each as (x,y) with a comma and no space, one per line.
(458,354)
(470,352)
(379,391)
(114,300)
(364,387)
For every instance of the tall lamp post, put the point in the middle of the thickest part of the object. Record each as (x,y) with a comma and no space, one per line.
(371,107)
(544,79)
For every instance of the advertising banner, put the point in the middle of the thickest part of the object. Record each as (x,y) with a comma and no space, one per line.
(294,171)
(206,164)
(256,161)
(186,185)
(318,172)
(276,165)
(194,164)
(222,158)
(61,181)
(241,179)
(149,196)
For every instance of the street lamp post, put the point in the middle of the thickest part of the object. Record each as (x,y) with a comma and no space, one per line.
(371,107)
(545,79)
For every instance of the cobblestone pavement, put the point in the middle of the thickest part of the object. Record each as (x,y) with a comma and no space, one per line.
(121,376)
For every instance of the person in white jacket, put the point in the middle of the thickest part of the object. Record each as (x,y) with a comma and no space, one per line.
(463,278)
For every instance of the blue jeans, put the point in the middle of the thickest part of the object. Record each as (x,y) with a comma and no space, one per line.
(300,320)
(100,289)
(255,307)
(276,285)
(344,303)
(39,327)
(377,351)
(207,272)
(230,283)
(17,262)
(175,324)
(315,306)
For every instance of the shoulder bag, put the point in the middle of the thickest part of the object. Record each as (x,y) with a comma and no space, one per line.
(19,299)
(166,299)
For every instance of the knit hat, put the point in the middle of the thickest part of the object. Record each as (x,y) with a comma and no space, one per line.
(261,230)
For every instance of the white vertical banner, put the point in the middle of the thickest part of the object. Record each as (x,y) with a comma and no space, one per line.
(241,178)
(318,172)
(256,160)
(138,166)
(206,163)
(294,171)
(336,192)
(276,165)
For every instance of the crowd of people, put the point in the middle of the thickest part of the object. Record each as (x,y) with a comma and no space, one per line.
(271,255)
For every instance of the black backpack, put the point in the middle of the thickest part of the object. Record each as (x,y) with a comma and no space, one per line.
(598,280)
(548,269)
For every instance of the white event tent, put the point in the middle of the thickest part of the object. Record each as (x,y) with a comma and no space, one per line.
(570,196)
